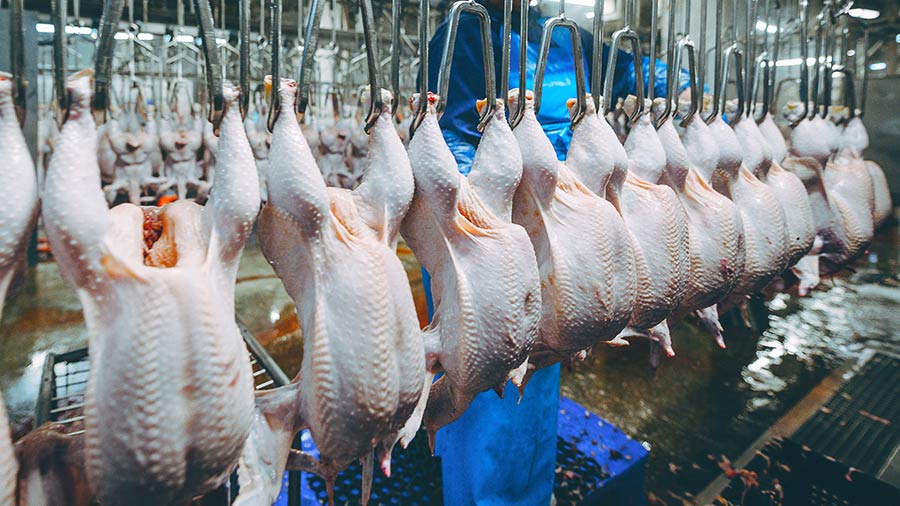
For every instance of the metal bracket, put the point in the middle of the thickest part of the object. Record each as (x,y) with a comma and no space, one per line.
(618,37)
(458,8)
(561,21)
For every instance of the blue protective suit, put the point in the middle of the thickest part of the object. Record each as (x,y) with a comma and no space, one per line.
(500,452)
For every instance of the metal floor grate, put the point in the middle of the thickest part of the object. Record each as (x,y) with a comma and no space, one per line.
(860,425)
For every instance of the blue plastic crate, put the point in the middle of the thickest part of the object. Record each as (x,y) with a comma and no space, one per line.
(598,464)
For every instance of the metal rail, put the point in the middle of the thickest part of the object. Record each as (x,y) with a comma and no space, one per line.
(458,8)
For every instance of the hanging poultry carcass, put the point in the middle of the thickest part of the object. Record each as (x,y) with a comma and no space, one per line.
(484,276)
(765,234)
(362,377)
(789,191)
(583,249)
(843,227)
(334,141)
(715,227)
(156,283)
(181,137)
(18,216)
(133,140)
(855,140)
(658,225)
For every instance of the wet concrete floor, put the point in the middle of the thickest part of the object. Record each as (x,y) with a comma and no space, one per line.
(702,404)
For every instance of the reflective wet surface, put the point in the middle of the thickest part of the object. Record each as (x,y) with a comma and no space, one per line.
(703,403)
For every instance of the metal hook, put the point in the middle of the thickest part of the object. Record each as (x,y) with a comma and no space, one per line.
(578,62)
(244,58)
(112,13)
(375,103)
(58,15)
(828,66)
(275,72)
(685,44)
(458,8)
(769,95)
(17,57)
(211,56)
(311,43)
(618,37)
(597,56)
(395,56)
(422,108)
(717,70)
(819,60)
(749,58)
(506,35)
(654,21)
(732,53)
(515,117)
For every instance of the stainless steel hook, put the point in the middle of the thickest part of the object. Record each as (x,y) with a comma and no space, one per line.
(17,57)
(597,56)
(506,35)
(109,23)
(311,43)
(717,70)
(561,21)
(458,8)
(211,57)
(275,72)
(375,102)
(624,34)
(395,56)
(515,117)
(244,61)
(422,107)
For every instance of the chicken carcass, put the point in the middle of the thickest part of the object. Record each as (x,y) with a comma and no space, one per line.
(765,234)
(583,249)
(180,138)
(158,284)
(18,216)
(658,225)
(260,140)
(134,141)
(856,140)
(715,230)
(484,276)
(363,375)
(790,192)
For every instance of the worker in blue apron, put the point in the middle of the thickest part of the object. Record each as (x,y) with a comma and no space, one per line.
(503,451)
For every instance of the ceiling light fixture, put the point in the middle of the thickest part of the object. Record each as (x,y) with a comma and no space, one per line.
(864,13)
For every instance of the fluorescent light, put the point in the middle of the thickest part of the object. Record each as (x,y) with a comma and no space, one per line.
(761,25)
(864,13)
(897,38)
(851,52)
(44,28)
(79,30)
(145,36)
(121,36)
(184,38)
(589,15)
(879,65)
(789,62)
(220,41)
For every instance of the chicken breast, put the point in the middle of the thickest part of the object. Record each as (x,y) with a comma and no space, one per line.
(484,275)
(582,246)
(363,374)
(156,283)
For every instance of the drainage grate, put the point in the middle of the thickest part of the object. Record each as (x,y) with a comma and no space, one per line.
(860,425)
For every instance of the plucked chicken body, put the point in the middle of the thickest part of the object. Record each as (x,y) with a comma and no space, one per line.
(658,225)
(156,283)
(765,235)
(260,141)
(856,140)
(134,141)
(583,249)
(17,215)
(363,371)
(715,230)
(180,138)
(791,194)
(484,275)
